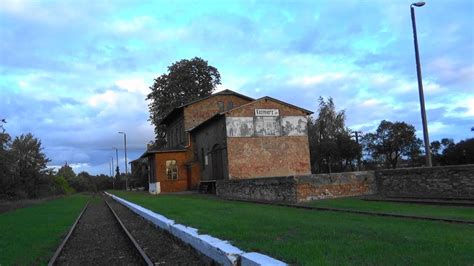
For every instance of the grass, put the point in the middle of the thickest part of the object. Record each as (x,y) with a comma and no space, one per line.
(450,212)
(309,237)
(31,235)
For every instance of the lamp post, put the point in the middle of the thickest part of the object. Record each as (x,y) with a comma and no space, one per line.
(117,170)
(126,167)
(111,173)
(420,85)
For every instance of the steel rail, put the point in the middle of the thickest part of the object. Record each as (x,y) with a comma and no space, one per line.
(130,237)
(382,214)
(52,261)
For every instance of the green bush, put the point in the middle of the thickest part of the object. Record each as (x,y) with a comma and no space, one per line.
(62,185)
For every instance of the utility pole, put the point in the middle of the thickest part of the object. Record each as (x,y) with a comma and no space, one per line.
(126,166)
(420,85)
(112,172)
(357,141)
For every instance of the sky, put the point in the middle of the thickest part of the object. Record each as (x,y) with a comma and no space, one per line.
(74,73)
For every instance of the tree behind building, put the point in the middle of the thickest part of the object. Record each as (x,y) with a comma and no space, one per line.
(186,80)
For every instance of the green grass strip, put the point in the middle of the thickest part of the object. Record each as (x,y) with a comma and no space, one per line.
(309,237)
(31,235)
(434,211)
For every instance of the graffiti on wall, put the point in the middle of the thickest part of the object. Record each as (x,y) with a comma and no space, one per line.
(262,126)
(267,126)
(294,125)
(239,126)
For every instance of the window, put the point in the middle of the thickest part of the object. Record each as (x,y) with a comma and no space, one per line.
(202,159)
(171,170)
(230,105)
(221,106)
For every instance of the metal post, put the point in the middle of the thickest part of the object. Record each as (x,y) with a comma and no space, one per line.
(420,86)
(126,166)
(358,155)
(117,169)
(112,173)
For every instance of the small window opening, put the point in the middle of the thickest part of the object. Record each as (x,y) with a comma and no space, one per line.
(171,169)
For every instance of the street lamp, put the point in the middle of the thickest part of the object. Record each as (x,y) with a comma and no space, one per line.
(111,173)
(116,154)
(126,167)
(420,85)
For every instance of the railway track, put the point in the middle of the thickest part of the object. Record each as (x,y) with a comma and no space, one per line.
(97,242)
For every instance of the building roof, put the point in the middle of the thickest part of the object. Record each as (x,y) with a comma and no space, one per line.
(162,150)
(180,108)
(272,99)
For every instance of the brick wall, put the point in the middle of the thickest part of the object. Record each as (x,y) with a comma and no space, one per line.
(324,186)
(434,182)
(267,156)
(167,185)
(266,189)
(298,188)
(199,112)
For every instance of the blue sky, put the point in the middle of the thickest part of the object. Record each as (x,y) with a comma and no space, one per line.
(74,73)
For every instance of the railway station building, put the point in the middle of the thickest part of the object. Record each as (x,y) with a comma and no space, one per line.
(230,136)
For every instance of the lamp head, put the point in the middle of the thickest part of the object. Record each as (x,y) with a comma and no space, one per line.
(120,132)
(418,4)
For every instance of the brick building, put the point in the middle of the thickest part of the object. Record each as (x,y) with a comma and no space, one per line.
(229,136)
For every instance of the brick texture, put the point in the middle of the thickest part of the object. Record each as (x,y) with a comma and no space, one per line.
(435,182)
(167,185)
(251,157)
(199,112)
(268,156)
(298,188)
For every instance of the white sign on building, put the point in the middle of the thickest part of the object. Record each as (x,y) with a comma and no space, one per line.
(267,112)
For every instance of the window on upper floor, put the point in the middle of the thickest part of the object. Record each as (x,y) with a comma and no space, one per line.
(220,104)
(171,169)
(230,105)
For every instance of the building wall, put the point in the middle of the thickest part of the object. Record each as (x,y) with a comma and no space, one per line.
(199,112)
(434,182)
(267,156)
(167,185)
(205,139)
(175,135)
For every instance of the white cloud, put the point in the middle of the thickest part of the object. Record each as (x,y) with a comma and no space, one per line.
(318,79)
(133,85)
(370,102)
(109,98)
(135,25)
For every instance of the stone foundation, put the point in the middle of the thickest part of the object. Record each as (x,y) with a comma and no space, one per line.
(298,188)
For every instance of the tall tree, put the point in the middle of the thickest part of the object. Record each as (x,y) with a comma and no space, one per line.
(186,80)
(392,141)
(459,153)
(29,162)
(6,176)
(66,172)
(331,145)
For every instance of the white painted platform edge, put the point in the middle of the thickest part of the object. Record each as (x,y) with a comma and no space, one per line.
(219,250)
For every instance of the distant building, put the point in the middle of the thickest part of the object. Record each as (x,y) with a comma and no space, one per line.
(229,136)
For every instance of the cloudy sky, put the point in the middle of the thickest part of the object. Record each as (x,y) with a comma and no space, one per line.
(74,73)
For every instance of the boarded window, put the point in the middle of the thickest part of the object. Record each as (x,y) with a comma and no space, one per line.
(202,158)
(221,106)
(171,170)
